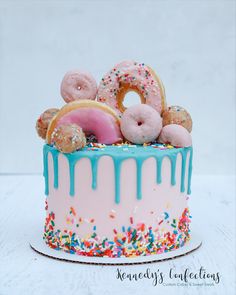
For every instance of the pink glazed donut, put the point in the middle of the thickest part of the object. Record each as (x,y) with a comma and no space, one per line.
(78,85)
(131,76)
(175,135)
(141,124)
(93,117)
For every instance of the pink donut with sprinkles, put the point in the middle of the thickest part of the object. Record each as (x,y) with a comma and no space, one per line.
(77,85)
(131,76)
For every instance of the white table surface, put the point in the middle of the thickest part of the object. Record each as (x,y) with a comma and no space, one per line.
(23,271)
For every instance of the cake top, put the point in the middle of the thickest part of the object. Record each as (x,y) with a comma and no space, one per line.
(124,150)
(94,117)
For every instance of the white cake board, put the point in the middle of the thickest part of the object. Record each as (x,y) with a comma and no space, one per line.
(38,244)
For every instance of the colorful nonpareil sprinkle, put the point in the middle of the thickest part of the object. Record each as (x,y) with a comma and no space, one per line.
(166,215)
(72,210)
(134,241)
(126,146)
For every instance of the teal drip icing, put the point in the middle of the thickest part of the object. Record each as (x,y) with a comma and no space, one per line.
(139,164)
(173,168)
(117,167)
(182,186)
(94,166)
(45,169)
(190,170)
(158,173)
(54,154)
(119,154)
(72,161)
(55,167)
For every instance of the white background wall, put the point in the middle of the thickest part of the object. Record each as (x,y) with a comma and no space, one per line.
(191,45)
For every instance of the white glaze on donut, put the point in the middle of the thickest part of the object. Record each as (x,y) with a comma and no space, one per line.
(78,85)
(141,124)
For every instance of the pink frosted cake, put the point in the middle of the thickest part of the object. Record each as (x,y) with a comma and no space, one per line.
(117,181)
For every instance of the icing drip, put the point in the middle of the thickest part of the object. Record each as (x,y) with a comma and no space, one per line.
(159,164)
(118,155)
(139,164)
(183,168)
(55,168)
(94,167)
(45,169)
(117,166)
(190,171)
(173,166)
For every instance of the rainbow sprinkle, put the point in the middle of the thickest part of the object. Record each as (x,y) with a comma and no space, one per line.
(127,145)
(133,241)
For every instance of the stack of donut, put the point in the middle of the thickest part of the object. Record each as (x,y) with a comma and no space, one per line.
(99,111)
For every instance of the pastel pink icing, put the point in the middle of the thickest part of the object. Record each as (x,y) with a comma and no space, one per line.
(176,135)
(78,85)
(134,74)
(99,203)
(141,124)
(94,121)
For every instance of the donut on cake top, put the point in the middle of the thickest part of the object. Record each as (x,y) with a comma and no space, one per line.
(131,76)
(107,120)
(93,117)
(78,85)
(141,124)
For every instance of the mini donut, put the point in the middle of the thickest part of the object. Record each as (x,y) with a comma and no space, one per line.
(78,85)
(177,115)
(175,135)
(93,117)
(131,76)
(141,124)
(68,138)
(44,120)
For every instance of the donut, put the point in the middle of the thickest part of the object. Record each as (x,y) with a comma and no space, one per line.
(68,138)
(78,85)
(93,117)
(177,115)
(141,124)
(131,76)
(44,120)
(175,135)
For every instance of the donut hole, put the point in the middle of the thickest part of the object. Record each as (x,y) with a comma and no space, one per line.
(129,97)
(90,137)
(140,123)
(79,87)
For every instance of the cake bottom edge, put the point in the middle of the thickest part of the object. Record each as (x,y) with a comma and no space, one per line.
(135,241)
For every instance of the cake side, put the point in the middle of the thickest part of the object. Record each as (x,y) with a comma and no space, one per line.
(118,201)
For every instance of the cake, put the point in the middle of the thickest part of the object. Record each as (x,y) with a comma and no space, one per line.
(117,182)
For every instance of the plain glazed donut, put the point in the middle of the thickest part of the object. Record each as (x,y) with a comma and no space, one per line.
(93,117)
(131,76)
(141,124)
(78,85)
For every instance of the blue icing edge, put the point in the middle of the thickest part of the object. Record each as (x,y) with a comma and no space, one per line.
(119,154)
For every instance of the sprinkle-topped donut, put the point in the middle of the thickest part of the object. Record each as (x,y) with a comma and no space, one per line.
(131,76)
